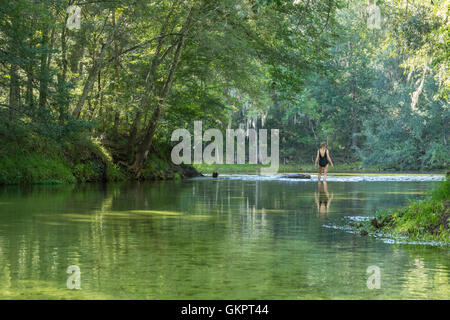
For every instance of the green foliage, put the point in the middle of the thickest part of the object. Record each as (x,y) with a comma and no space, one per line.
(427,219)
(33,168)
(157,167)
(311,69)
(442,192)
(90,171)
(176,176)
(420,220)
(113,173)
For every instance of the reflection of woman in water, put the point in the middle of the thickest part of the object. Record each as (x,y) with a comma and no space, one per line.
(323,158)
(323,199)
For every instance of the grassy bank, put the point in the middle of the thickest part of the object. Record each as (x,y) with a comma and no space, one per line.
(40,164)
(82,160)
(420,220)
(93,165)
(291,168)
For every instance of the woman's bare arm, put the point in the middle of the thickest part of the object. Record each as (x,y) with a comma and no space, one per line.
(329,158)
(329,200)
(317,159)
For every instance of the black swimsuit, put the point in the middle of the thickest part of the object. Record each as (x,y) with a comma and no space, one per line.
(323,199)
(323,161)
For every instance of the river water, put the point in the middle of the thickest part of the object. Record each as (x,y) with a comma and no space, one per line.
(236,237)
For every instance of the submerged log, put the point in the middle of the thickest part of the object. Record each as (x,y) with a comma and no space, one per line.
(298,176)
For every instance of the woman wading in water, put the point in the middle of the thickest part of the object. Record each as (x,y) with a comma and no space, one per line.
(323,158)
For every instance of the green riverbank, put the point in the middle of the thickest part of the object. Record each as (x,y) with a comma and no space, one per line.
(423,220)
(86,160)
(355,167)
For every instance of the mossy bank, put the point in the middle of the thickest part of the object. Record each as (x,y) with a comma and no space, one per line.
(83,161)
(423,220)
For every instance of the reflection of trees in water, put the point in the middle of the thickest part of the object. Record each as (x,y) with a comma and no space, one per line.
(253,207)
(36,242)
(427,275)
(216,236)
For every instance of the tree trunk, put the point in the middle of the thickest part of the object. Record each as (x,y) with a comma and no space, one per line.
(62,91)
(115,132)
(146,144)
(156,60)
(355,131)
(29,93)
(14,90)
(416,94)
(355,134)
(43,76)
(96,66)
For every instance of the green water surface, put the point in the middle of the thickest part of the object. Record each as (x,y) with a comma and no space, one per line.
(210,239)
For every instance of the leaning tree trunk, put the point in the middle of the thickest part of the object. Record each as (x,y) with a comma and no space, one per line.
(156,60)
(146,144)
(97,65)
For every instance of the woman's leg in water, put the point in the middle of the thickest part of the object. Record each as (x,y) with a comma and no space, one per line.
(325,170)
(320,172)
